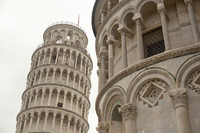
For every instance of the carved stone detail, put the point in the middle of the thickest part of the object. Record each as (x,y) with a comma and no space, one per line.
(193,82)
(147,62)
(128,111)
(152,91)
(103,127)
(179,97)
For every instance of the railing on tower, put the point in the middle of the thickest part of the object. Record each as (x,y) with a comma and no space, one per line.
(65,22)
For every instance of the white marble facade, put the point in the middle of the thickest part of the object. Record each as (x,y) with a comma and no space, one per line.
(56,99)
(149,65)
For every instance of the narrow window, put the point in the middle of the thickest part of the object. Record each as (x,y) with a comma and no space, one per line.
(153,42)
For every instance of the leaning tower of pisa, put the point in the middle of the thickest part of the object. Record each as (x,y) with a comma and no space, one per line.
(56,99)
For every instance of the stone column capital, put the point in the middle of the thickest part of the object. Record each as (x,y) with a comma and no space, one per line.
(128,111)
(179,97)
(188,2)
(103,127)
(161,7)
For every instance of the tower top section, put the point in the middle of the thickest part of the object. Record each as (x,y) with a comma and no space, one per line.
(64,32)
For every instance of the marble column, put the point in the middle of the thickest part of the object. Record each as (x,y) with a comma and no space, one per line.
(68,125)
(75,126)
(36,95)
(38,121)
(40,77)
(140,44)
(103,127)
(129,114)
(109,4)
(30,98)
(71,102)
(64,56)
(103,12)
(43,92)
(180,103)
(61,123)
(110,59)
(53,77)
(193,20)
(57,98)
(162,11)
(47,73)
(50,94)
(31,121)
(24,127)
(53,122)
(61,74)
(102,73)
(57,56)
(45,54)
(45,121)
(123,47)
(50,56)
(39,59)
(64,99)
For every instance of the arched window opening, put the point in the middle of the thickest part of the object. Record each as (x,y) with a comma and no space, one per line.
(153,42)
(116,116)
(59,41)
(68,37)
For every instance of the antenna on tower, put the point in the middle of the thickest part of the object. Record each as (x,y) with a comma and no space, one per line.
(78,19)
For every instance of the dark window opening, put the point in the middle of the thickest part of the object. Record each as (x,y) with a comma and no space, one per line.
(116,116)
(60,105)
(153,42)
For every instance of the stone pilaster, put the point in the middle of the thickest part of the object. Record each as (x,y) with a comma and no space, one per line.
(129,114)
(102,74)
(163,12)
(124,47)
(138,21)
(103,127)
(193,20)
(180,103)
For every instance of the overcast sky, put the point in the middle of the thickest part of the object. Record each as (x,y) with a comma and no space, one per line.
(22,24)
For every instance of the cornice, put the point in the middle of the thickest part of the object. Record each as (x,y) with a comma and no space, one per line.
(56,108)
(54,84)
(62,46)
(170,54)
(58,66)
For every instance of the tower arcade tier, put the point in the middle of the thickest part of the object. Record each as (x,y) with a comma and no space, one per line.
(56,99)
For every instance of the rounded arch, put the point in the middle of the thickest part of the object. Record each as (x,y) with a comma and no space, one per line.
(142,3)
(129,9)
(144,77)
(186,69)
(113,97)
(113,23)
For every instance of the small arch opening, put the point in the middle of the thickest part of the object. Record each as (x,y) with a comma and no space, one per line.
(116,116)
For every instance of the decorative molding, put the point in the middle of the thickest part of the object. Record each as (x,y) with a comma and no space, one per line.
(152,91)
(103,127)
(170,54)
(193,81)
(128,111)
(179,97)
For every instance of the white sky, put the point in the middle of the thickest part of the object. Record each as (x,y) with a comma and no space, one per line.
(22,24)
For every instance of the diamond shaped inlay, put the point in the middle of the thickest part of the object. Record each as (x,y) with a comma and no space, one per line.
(152,93)
(196,81)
